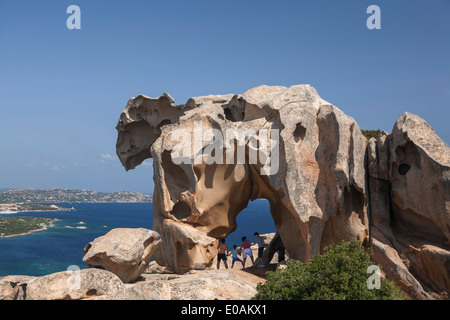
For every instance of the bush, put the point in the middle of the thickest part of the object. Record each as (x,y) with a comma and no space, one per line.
(371,133)
(338,274)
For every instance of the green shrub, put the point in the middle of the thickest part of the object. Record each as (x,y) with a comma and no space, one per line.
(338,274)
(371,133)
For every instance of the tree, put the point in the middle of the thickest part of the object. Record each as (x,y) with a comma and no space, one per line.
(338,274)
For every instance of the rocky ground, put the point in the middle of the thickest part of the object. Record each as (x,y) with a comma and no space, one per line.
(155,283)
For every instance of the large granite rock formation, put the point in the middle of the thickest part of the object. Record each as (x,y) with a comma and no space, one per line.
(409,182)
(126,252)
(325,182)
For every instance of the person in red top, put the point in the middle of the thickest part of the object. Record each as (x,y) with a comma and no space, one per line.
(247,250)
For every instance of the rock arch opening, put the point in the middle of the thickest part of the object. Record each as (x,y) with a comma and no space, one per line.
(255,218)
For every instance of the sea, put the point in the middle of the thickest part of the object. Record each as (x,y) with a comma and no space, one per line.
(60,247)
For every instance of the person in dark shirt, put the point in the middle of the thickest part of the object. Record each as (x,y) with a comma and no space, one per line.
(258,240)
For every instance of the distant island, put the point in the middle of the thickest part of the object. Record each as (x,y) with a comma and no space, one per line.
(33,200)
(17,226)
(57,195)
(10,208)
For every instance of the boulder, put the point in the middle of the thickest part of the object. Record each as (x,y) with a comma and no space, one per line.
(420,179)
(202,248)
(409,183)
(195,285)
(126,252)
(73,285)
(14,287)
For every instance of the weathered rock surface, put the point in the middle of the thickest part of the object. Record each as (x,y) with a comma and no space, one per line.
(323,179)
(126,252)
(96,284)
(409,181)
(14,287)
(197,285)
(73,285)
(315,182)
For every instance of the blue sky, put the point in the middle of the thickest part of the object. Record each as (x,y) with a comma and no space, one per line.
(62,91)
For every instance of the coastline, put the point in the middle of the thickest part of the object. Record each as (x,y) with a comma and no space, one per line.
(24,211)
(51,224)
(20,207)
(36,255)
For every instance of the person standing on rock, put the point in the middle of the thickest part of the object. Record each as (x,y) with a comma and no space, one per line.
(247,250)
(234,255)
(222,254)
(258,240)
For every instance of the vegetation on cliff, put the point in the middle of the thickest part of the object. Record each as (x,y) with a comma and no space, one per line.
(12,226)
(57,195)
(338,274)
(371,133)
(26,207)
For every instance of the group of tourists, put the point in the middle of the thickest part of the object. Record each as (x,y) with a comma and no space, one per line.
(244,250)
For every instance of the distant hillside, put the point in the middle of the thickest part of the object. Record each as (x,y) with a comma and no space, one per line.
(67,195)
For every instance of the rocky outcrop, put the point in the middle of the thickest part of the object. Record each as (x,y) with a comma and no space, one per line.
(73,285)
(197,285)
(325,182)
(409,180)
(215,153)
(96,284)
(126,252)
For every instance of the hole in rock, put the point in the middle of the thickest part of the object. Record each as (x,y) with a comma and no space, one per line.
(91,292)
(174,176)
(228,114)
(299,132)
(255,218)
(181,210)
(138,148)
(409,155)
(403,169)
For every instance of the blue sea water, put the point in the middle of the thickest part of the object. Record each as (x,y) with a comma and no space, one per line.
(61,246)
